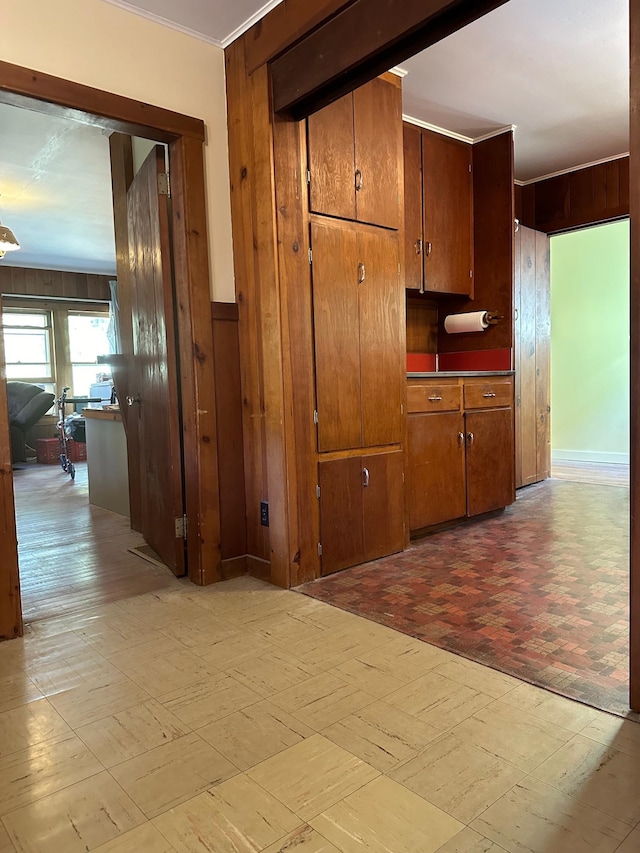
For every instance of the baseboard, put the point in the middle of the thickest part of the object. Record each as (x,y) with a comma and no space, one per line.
(234,567)
(601,457)
(259,568)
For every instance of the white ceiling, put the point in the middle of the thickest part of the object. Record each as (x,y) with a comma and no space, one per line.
(557,69)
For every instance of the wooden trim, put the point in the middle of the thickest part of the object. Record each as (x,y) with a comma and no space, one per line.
(361,42)
(195,357)
(634,642)
(20,86)
(224,311)
(10,603)
(235,567)
(258,568)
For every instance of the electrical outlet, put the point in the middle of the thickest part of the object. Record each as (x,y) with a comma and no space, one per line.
(264,513)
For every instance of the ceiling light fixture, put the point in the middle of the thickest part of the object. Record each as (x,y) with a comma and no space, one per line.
(8,241)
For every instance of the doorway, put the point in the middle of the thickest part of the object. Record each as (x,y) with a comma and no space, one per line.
(184,137)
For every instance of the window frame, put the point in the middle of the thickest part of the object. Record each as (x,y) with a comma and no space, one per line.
(48,328)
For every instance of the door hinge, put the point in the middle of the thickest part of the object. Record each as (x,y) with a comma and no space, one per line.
(163,184)
(318,492)
(315,416)
(181,527)
(319,550)
(308,176)
(310,256)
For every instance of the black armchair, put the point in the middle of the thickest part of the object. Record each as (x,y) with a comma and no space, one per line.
(27,404)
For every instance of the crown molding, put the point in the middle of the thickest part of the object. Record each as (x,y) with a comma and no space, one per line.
(459,136)
(253,19)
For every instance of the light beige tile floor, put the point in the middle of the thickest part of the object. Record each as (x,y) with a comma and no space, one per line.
(278,724)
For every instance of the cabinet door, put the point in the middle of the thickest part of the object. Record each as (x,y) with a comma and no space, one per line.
(377,114)
(382,338)
(331,159)
(337,347)
(341,513)
(490,460)
(412,207)
(436,475)
(448,214)
(382,504)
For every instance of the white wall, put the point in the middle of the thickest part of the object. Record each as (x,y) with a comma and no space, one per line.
(100,45)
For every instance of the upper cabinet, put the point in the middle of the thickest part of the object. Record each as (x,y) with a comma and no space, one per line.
(438,193)
(354,151)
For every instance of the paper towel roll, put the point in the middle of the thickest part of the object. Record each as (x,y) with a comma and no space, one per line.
(474,321)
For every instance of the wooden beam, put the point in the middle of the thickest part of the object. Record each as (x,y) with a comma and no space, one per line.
(362,41)
(284,25)
(33,90)
(634,641)
(196,362)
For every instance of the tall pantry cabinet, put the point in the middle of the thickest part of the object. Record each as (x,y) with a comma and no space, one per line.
(355,181)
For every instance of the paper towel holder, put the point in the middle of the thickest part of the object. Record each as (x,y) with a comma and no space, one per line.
(493,318)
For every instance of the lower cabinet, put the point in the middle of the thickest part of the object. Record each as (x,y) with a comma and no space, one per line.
(361,509)
(460,449)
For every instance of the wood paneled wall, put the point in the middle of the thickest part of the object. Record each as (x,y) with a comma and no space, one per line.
(20,281)
(422,324)
(226,357)
(576,199)
(493,235)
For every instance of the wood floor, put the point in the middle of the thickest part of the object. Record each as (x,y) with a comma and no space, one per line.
(591,472)
(73,556)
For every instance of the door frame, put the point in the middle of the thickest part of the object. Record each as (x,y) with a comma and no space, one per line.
(185,137)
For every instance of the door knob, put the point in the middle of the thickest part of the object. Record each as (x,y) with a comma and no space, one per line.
(132,400)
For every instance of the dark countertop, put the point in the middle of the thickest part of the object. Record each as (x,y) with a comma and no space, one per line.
(446,374)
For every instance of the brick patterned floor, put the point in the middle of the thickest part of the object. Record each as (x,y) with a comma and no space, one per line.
(539,591)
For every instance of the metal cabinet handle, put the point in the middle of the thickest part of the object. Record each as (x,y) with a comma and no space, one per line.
(365,477)
(419,245)
(359,180)
(132,400)
(362,273)
(489,394)
(428,252)
(469,439)
(435,398)
(461,439)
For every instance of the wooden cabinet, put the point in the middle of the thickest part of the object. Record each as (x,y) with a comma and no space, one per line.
(413,235)
(358,310)
(532,341)
(361,509)
(438,188)
(354,155)
(460,448)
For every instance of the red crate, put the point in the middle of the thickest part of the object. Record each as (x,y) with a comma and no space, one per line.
(76,450)
(48,450)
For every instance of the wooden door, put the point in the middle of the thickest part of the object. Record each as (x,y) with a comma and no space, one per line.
(413,242)
(382,338)
(10,602)
(377,119)
(448,214)
(341,513)
(436,468)
(331,160)
(337,347)
(543,356)
(383,506)
(526,411)
(490,460)
(155,366)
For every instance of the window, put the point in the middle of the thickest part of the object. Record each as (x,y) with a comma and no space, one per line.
(87,340)
(28,344)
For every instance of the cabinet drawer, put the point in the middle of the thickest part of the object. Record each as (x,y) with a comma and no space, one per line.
(488,394)
(434,398)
